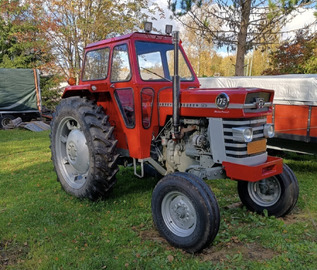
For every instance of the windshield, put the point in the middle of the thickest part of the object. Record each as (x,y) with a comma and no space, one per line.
(156,62)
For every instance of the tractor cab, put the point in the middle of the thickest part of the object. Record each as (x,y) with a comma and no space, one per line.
(131,70)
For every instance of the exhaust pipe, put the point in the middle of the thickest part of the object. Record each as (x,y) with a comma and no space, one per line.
(176,87)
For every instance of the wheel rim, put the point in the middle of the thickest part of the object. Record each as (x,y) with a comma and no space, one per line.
(265,192)
(179,214)
(72,152)
(5,122)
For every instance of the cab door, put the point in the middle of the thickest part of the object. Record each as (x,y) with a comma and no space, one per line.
(120,79)
(128,99)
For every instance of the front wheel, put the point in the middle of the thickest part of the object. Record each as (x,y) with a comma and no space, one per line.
(185,211)
(277,194)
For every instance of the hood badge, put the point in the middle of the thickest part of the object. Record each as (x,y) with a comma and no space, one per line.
(222,101)
(260,103)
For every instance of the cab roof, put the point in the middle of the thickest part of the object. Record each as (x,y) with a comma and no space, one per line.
(136,35)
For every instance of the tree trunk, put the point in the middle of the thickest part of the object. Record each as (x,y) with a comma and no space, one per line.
(242,37)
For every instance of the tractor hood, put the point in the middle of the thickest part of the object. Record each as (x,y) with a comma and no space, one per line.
(218,102)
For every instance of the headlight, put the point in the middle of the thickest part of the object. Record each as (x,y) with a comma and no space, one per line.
(242,134)
(268,131)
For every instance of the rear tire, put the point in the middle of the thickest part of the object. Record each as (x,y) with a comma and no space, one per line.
(277,194)
(83,148)
(185,211)
(5,120)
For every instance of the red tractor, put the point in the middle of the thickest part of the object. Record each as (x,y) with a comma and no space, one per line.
(139,99)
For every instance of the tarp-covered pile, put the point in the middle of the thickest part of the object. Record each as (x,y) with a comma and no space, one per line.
(19,90)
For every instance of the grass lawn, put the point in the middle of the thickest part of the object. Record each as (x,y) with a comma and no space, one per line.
(42,227)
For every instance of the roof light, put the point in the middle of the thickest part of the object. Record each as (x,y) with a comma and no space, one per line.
(168,29)
(147,27)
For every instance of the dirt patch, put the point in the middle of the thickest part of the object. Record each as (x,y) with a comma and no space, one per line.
(11,253)
(152,235)
(221,252)
(234,206)
(300,216)
(290,219)
(250,251)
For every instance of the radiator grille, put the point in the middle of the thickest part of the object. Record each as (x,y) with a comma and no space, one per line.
(239,149)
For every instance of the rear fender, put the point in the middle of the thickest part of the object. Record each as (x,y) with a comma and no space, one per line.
(77,90)
(80,93)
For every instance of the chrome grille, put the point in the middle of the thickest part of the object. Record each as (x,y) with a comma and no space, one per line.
(239,149)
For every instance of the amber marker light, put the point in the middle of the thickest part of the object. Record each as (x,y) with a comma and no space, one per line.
(71,81)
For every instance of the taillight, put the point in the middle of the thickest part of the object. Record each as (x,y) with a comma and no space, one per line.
(147,98)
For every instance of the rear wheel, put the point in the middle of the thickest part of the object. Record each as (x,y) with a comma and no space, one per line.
(277,194)
(5,120)
(185,211)
(83,148)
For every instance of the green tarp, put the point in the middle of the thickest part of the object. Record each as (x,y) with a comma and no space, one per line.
(17,90)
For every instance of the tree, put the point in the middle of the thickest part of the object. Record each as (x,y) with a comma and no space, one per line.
(199,50)
(216,61)
(239,24)
(297,56)
(257,61)
(51,34)
(23,43)
(227,66)
(76,23)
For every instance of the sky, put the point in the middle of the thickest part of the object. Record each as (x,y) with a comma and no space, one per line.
(160,23)
(298,22)
(305,18)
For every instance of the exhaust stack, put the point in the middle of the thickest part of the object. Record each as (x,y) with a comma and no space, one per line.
(176,87)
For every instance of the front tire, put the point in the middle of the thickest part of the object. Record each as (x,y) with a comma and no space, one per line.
(277,194)
(83,148)
(185,211)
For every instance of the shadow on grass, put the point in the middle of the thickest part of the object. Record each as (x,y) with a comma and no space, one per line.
(304,166)
(128,183)
(300,162)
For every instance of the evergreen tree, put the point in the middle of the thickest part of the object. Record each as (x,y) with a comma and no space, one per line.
(22,39)
(239,24)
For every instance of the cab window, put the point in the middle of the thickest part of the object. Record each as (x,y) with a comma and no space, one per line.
(96,65)
(120,70)
(125,100)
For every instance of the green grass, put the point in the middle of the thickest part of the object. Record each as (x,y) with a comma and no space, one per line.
(42,227)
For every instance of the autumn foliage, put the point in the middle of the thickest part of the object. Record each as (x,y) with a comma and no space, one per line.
(23,42)
(51,34)
(297,56)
